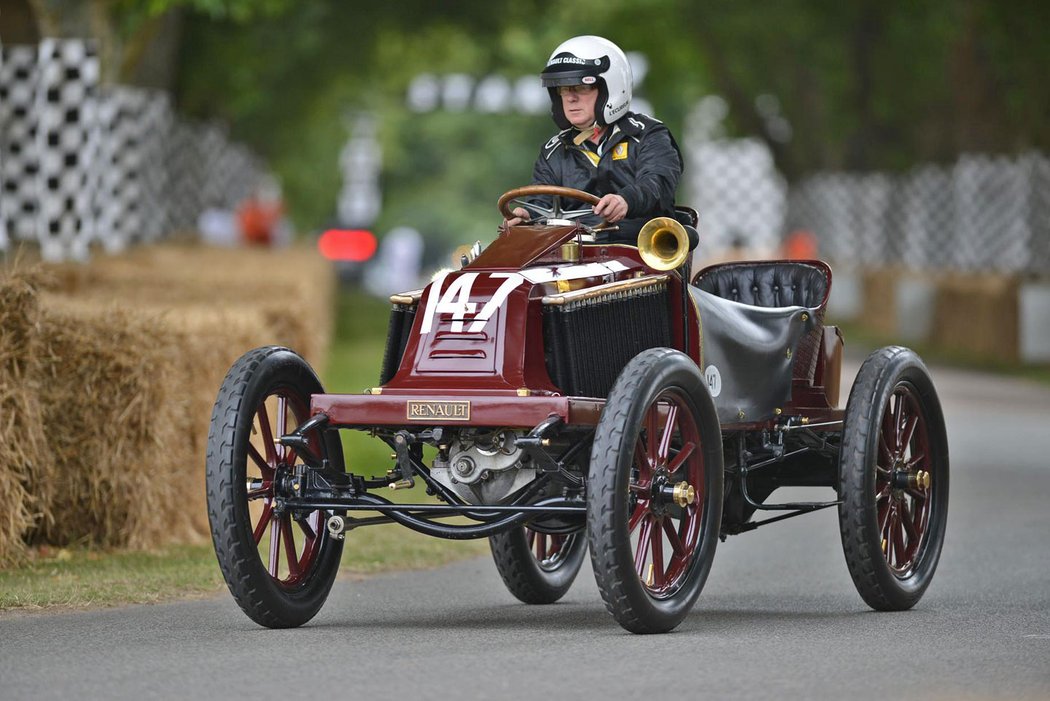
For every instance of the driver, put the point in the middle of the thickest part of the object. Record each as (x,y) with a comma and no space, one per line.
(629,160)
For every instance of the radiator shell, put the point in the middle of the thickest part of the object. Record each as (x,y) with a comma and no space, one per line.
(588,342)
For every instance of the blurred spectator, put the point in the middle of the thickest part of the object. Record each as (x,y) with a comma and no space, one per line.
(396,267)
(261,217)
(800,245)
(218,227)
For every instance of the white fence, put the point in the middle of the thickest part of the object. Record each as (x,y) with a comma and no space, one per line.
(83,164)
(982,213)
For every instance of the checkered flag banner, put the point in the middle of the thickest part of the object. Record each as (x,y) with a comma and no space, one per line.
(83,165)
(982,213)
(19,161)
(735,186)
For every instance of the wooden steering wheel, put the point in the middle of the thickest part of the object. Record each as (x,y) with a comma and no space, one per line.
(514,197)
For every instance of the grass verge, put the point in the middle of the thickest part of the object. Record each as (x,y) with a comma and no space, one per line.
(77,578)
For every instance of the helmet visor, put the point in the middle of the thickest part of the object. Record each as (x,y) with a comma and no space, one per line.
(566,69)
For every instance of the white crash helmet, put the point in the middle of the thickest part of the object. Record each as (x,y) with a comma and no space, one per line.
(590,60)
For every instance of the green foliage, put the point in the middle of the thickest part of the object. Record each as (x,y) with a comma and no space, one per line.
(864,85)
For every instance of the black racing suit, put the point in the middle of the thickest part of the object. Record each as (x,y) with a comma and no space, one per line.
(638,159)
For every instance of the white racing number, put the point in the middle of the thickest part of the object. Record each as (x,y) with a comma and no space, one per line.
(456,301)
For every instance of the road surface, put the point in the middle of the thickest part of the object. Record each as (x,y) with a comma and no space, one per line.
(779,618)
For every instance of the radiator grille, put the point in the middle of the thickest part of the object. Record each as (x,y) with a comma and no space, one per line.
(589,341)
(401,318)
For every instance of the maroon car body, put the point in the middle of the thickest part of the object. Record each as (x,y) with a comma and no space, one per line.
(573,395)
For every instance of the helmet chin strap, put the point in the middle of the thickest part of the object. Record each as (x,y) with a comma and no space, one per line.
(586,133)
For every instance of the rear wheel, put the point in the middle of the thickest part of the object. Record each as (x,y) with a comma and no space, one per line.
(538,568)
(279,564)
(654,502)
(894,480)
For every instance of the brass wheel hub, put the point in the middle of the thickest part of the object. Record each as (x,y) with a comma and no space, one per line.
(684,494)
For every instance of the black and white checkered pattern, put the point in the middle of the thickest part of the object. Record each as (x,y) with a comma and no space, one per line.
(81,164)
(982,213)
(735,186)
(19,163)
(65,107)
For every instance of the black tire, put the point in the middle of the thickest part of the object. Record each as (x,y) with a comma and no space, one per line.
(240,447)
(893,526)
(536,567)
(627,470)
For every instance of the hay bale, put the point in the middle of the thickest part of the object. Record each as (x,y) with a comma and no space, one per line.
(126,357)
(22,446)
(110,417)
(879,300)
(978,315)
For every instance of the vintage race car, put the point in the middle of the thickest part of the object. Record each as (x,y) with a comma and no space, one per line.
(557,395)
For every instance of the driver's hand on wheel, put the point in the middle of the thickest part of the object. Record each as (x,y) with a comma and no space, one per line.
(520,215)
(612,207)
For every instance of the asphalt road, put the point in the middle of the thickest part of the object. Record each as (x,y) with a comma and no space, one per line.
(779,618)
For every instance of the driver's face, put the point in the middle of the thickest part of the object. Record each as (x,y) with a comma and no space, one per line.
(578,104)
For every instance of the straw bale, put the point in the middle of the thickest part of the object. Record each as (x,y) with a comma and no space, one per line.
(21,431)
(109,414)
(127,356)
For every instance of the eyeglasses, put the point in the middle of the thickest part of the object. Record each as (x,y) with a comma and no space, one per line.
(576,89)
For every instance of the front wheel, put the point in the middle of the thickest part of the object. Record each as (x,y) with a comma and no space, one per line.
(538,568)
(279,564)
(654,502)
(894,480)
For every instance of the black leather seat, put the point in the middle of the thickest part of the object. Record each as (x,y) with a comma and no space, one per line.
(768,283)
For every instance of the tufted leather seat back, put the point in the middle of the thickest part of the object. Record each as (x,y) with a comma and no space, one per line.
(768,283)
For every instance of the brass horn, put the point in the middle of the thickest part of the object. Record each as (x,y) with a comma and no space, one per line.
(663,243)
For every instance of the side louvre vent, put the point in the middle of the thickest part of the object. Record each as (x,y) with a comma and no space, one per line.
(590,337)
(401,318)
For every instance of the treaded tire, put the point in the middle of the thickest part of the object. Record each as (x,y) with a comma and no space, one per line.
(893,531)
(529,580)
(617,501)
(268,600)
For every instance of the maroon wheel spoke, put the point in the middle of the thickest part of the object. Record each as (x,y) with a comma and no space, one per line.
(907,520)
(657,548)
(641,554)
(898,408)
(267,433)
(282,425)
(260,461)
(668,433)
(639,488)
(308,530)
(289,546)
(909,431)
(651,429)
(916,460)
(642,462)
(264,519)
(884,492)
(885,456)
(541,546)
(683,455)
(275,546)
(885,511)
(640,510)
(900,553)
(673,538)
(916,494)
